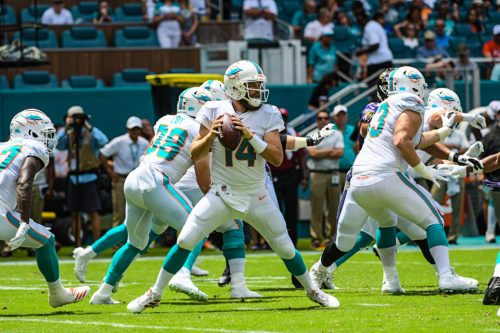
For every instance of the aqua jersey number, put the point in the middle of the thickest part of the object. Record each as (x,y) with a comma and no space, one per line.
(379,118)
(170,147)
(8,155)
(245,152)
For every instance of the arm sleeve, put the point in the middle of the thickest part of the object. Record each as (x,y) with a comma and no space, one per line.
(100,137)
(370,36)
(410,102)
(273,8)
(62,140)
(206,116)
(275,121)
(339,142)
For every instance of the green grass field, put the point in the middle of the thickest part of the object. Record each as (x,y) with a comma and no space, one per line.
(24,306)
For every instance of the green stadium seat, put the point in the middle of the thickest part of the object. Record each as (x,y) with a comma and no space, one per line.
(131,77)
(343,40)
(82,81)
(4,84)
(399,49)
(35,80)
(28,14)
(129,12)
(83,37)
(84,11)
(7,15)
(135,37)
(46,38)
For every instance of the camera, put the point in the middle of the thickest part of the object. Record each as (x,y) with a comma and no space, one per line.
(79,119)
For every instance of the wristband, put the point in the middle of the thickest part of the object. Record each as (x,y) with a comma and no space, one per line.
(468,117)
(420,168)
(451,157)
(301,142)
(444,132)
(258,144)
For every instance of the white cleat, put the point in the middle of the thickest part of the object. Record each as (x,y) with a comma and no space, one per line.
(70,295)
(392,285)
(116,286)
(317,276)
(81,263)
(323,298)
(141,303)
(328,283)
(451,281)
(498,313)
(182,283)
(98,299)
(196,271)
(243,292)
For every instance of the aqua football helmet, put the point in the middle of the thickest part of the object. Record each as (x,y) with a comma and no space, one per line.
(191,100)
(35,125)
(407,79)
(216,89)
(445,98)
(242,79)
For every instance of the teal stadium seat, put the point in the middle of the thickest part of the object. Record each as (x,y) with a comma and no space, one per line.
(135,37)
(46,38)
(129,12)
(83,37)
(84,11)
(465,30)
(181,71)
(35,80)
(343,40)
(454,42)
(288,8)
(82,81)
(7,15)
(28,14)
(4,84)
(131,77)
(399,49)
(495,17)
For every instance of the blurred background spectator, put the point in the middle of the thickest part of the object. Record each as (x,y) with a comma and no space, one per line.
(119,157)
(147,130)
(491,49)
(169,19)
(314,29)
(414,17)
(102,15)
(190,22)
(302,17)
(464,63)
(446,17)
(344,20)
(259,18)
(442,38)
(340,118)
(473,20)
(320,93)
(322,57)
(430,49)
(410,36)
(57,14)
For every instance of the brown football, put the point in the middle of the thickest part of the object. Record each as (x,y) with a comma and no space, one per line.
(229,136)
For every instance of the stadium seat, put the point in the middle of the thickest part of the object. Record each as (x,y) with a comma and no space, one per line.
(4,84)
(83,37)
(181,71)
(343,39)
(129,12)
(454,42)
(46,38)
(28,14)
(84,11)
(7,15)
(131,77)
(399,49)
(135,37)
(82,81)
(288,8)
(35,80)
(495,17)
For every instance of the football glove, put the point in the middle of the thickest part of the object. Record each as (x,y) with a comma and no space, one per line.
(316,138)
(475,120)
(432,174)
(474,163)
(456,171)
(20,236)
(475,150)
(448,120)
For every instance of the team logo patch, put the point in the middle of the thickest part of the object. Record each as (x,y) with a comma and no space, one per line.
(412,76)
(32,118)
(446,99)
(233,72)
(202,97)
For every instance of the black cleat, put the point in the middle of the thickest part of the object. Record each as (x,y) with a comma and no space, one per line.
(296,283)
(492,294)
(225,278)
(375,250)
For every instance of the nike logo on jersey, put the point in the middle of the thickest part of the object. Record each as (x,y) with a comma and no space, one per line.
(262,197)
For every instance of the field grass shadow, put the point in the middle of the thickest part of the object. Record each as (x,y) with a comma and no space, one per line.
(51,314)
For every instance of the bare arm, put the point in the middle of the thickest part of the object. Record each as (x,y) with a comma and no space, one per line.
(202,170)
(491,163)
(50,175)
(27,174)
(407,127)
(107,166)
(273,152)
(203,141)
(325,153)
(435,120)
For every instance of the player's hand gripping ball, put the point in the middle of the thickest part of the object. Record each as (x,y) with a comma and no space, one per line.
(229,136)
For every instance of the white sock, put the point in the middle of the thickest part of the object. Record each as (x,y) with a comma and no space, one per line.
(492,221)
(332,268)
(321,267)
(388,259)
(162,281)
(305,281)
(237,280)
(105,289)
(441,257)
(236,266)
(88,252)
(55,287)
(398,244)
(184,271)
(497,270)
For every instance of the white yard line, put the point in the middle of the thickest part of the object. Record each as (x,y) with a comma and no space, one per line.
(97,323)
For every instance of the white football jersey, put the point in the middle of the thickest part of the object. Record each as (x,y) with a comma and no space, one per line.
(243,170)
(188,180)
(12,156)
(168,151)
(379,154)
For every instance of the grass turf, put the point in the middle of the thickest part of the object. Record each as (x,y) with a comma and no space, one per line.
(24,306)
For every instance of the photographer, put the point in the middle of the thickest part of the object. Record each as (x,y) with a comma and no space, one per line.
(83,142)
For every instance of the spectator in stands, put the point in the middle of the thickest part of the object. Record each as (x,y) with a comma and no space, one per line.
(478,6)
(340,117)
(125,150)
(414,17)
(343,19)
(430,49)
(314,29)
(147,129)
(202,8)
(391,15)
(57,14)
(259,18)
(190,22)
(444,14)
(425,9)
(322,57)
(102,14)
(442,39)
(495,73)
(302,17)
(323,166)
(464,65)
(357,8)
(410,37)
(320,93)
(169,19)
(473,20)
(286,179)
(148,10)
(375,45)
(83,142)
(491,49)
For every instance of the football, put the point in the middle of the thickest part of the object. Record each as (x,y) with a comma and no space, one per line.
(229,136)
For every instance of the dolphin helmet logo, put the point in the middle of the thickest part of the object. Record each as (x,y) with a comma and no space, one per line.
(413,77)
(232,73)
(446,99)
(202,97)
(32,118)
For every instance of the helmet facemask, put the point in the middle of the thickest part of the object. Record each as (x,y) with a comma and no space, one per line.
(254,89)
